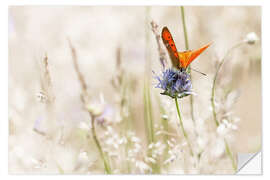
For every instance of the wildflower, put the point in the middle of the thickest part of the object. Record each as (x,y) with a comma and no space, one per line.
(135,139)
(150,146)
(201,142)
(38,164)
(83,158)
(169,160)
(84,125)
(174,152)
(41,97)
(165,117)
(38,128)
(219,148)
(251,38)
(225,127)
(123,140)
(105,116)
(95,108)
(150,160)
(175,83)
(222,130)
(143,167)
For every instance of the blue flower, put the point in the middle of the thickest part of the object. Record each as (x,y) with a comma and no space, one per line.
(175,83)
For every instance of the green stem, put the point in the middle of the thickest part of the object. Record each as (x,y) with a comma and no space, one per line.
(150,120)
(126,120)
(147,42)
(151,123)
(148,117)
(147,104)
(146,124)
(182,126)
(148,113)
(184,27)
(93,130)
(228,151)
(187,48)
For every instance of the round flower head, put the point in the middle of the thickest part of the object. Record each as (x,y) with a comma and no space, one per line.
(251,38)
(175,83)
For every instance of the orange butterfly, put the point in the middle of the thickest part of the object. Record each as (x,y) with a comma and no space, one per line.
(180,60)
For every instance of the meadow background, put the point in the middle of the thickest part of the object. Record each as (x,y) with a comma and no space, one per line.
(115,43)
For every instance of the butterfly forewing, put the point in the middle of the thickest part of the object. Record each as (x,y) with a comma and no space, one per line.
(196,53)
(187,57)
(170,45)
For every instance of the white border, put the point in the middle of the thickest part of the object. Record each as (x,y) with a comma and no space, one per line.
(136,2)
(4,75)
(4,91)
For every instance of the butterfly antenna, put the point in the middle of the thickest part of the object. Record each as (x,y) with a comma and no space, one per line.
(198,72)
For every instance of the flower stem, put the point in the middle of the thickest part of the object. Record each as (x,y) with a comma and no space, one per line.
(146,115)
(187,48)
(182,126)
(228,151)
(151,121)
(105,161)
(184,27)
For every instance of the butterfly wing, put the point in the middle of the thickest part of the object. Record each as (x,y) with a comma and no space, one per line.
(170,45)
(184,58)
(179,59)
(187,57)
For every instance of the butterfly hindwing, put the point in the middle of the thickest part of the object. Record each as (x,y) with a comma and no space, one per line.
(170,45)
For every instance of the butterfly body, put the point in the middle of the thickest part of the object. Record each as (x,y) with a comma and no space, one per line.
(180,60)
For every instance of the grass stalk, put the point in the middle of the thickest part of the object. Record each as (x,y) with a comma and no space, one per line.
(162,54)
(184,27)
(148,113)
(146,123)
(149,122)
(94,135)
(229,153)
(155,166)
(84,100)
(125,103)
(187,48)
(182,126)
